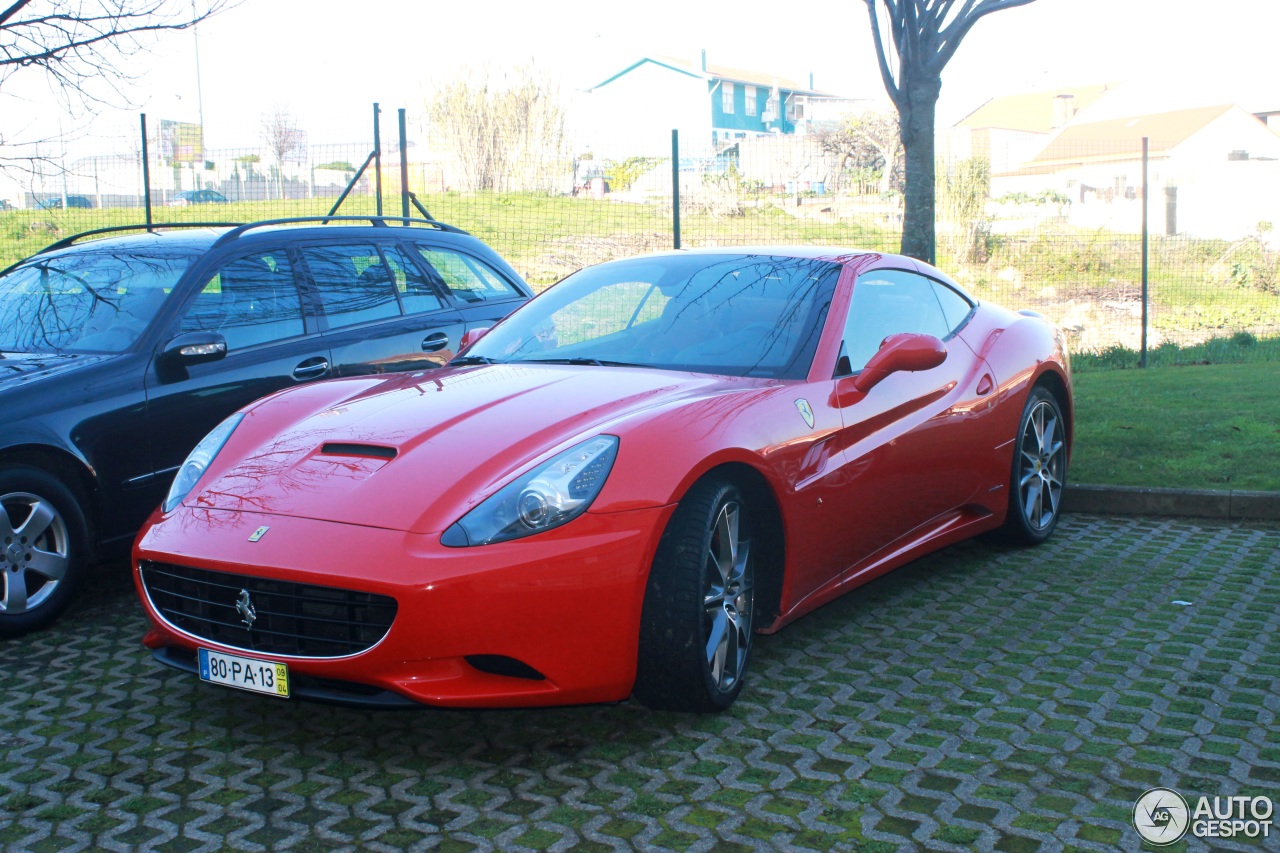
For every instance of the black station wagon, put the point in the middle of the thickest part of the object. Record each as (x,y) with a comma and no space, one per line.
(119,352)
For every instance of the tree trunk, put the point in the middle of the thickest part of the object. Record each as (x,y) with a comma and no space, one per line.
(916,114)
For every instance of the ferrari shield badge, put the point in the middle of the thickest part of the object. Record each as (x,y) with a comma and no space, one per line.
(262,531)
(806,411)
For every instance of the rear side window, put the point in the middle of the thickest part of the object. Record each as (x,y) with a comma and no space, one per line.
(471,280)
(252,299)
(353,283)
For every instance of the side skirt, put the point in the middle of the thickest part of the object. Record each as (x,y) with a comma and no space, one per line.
(946,529)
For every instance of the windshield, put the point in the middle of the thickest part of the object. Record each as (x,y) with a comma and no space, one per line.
(85,301)
(737,315)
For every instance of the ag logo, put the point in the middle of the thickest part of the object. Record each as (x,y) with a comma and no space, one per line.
(806,411)
(1161,816)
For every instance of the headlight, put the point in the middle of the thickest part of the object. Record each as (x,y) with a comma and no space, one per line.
(545,497)
(198,461)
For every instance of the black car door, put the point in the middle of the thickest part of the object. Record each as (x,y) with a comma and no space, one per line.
(253,300)
(379,310)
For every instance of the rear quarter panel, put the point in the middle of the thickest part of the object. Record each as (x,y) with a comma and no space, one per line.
(1022,351)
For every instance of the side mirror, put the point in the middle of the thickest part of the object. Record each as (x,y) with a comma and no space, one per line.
(194,348)
(470,336)
(904,351)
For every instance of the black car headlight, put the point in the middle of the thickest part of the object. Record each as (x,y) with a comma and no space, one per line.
(544,497)
(197,462)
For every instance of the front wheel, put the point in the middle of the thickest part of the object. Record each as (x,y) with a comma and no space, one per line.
(1039,470)
(44,544)
(696,626)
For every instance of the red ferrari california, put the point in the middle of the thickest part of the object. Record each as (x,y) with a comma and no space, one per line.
(613,489)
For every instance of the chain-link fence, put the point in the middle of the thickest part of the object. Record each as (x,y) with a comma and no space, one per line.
(1057,226)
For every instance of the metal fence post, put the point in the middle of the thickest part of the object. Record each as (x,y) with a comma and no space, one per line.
(404,169)
(675,187)
(1142,358)
(377,158)
(146,172)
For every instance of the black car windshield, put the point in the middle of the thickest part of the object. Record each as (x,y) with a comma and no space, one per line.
(731,314)
(87,301)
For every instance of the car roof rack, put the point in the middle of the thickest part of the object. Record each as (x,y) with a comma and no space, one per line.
(155,226)
(373,219)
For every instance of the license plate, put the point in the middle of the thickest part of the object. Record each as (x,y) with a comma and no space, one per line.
(259,676)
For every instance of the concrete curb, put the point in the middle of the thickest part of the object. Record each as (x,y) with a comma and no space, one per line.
(1234,505)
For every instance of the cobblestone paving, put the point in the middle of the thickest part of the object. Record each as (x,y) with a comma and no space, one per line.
(983,698)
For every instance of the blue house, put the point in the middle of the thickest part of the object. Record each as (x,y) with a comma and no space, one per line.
(711,105)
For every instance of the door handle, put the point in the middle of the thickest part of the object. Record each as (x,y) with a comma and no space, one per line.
(435,341)
(311,368)
(985,384)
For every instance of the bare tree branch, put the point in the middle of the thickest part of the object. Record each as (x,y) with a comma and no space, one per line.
(12,10)
(886,74)
(951,35)
(81,45)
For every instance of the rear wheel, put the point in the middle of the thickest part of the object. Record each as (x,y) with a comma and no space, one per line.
(696,627)
(1039,470)
(44,545)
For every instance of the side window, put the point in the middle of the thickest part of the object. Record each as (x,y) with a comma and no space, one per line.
(416,293)
(470,280)
(250,300)
(886,302)
(353,283)
(954,306)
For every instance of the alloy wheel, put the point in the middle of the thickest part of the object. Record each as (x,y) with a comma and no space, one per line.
(727,598)
(34,551)
(1043,454)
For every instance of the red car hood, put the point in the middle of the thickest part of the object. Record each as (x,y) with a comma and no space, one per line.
(416,452)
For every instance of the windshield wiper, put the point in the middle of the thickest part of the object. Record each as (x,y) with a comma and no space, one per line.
(473,359)
(581,360)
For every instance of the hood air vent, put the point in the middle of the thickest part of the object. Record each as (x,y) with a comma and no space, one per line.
(374,451)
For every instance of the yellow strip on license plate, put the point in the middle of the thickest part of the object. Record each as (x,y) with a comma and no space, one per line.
(258,676)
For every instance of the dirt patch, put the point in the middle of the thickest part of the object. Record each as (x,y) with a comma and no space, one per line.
(569,254)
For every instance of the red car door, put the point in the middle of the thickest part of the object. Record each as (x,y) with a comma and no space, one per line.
(907,444)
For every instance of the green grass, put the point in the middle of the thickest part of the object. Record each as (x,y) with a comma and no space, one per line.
(1196,427)
(1240,348)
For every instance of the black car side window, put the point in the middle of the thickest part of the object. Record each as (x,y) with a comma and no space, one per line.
(252,299)
(353,282)
(886,302)
(469,279)
(415,291)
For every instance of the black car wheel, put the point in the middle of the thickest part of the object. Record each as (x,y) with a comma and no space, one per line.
(44,544)
(1039,470)
(696,626)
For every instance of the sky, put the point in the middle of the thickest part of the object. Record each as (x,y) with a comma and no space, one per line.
(326,62)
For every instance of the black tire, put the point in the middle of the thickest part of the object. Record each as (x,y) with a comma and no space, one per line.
(702,585)
(1039,469)
(44,549)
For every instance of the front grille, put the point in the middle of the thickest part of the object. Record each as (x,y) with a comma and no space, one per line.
(289,618)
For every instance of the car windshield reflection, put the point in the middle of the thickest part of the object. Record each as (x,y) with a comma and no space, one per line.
(735,315)
(93,302)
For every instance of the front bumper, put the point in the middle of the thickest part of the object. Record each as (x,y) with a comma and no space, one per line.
(565,604)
